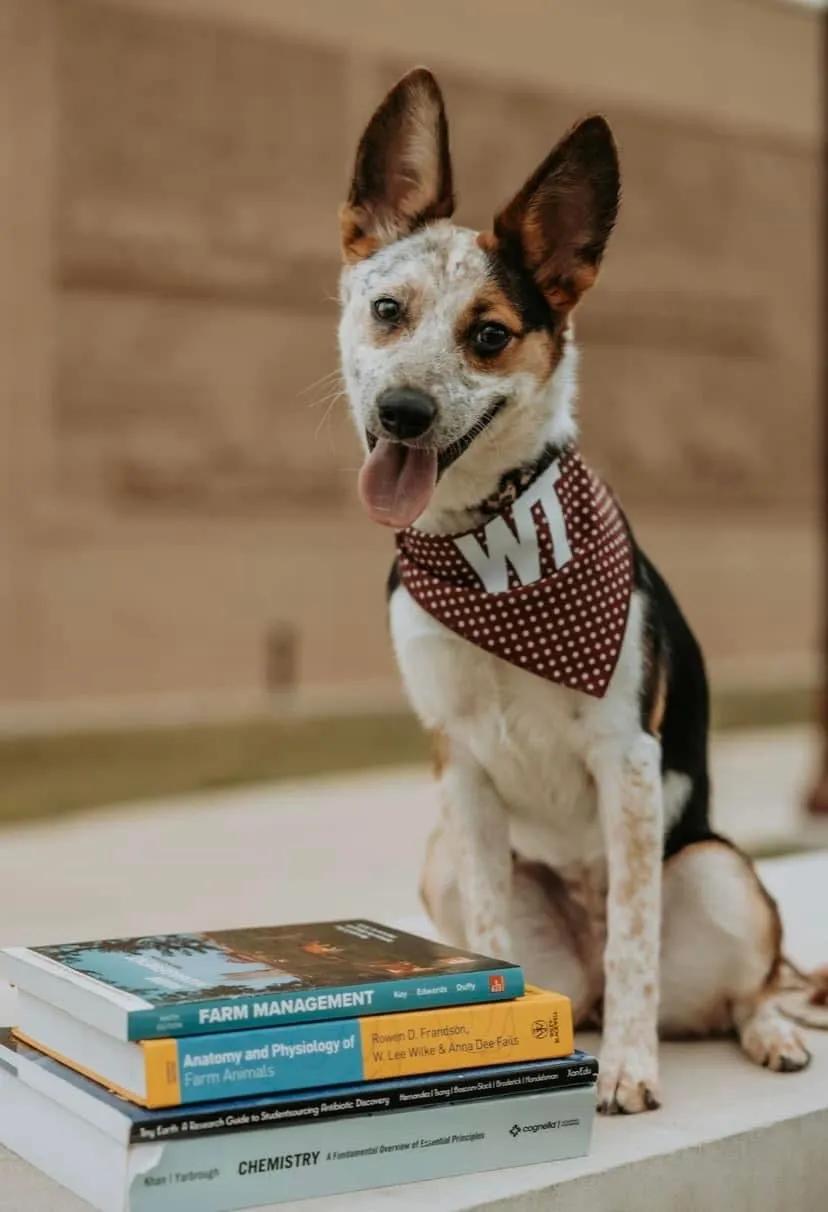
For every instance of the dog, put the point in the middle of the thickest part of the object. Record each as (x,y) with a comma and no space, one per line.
(575,835)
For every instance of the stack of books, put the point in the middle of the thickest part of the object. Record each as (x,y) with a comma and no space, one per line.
(228,1070)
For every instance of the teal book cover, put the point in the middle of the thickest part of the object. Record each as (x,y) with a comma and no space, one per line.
(188,984)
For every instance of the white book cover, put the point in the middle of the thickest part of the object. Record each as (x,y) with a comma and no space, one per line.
(86,1153)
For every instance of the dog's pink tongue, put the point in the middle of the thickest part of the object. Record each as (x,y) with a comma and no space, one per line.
(396,483)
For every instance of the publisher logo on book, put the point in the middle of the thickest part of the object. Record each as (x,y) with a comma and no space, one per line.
(497,984)
(546,1028)
(548,1125)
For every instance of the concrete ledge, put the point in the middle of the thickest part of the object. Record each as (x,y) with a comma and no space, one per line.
(729,1135)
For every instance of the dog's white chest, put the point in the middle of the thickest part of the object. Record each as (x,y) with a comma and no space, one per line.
(525,732)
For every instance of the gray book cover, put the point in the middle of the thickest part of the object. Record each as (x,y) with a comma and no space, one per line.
(244,1170)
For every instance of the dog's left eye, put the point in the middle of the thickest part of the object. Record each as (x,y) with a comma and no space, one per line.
(491,338)
(387,310)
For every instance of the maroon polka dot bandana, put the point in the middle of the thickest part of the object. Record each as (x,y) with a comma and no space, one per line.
(545,583)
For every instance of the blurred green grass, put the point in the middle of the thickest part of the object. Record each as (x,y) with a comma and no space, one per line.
(43,776)
(50,776)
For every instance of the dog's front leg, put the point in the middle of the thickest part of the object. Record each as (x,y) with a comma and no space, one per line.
(630,804)
(479,831)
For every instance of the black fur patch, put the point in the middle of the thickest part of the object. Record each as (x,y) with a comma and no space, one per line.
(393,582)
(521,289)
(686,720)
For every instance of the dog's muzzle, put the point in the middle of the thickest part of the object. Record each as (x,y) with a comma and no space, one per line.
(453,452)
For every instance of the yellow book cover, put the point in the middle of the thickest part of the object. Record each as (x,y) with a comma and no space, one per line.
(537,1026)
(271,1060)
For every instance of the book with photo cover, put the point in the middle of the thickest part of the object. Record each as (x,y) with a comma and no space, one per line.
(162,986)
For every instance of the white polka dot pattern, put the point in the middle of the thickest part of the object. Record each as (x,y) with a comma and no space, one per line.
(568,626)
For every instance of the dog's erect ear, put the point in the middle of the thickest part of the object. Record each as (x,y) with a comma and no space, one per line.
(561,219)
(402,176)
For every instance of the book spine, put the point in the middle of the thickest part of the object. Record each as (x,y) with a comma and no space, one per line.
(369,1099)
(273,1165)
(386,997)
(348,1051)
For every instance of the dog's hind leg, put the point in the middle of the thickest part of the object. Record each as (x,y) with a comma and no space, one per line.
(544,924)
(721,956)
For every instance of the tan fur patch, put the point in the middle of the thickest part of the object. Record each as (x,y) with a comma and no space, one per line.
(659,704)
(559,273)
(772,934)
(491,307)
(536,353)
(411,300)
(768,919)
(425,876)
(819,994)
(539,354)
(354,243)
(761,934)
(440,754)
(563,293)
(577,899)
(487,242)
(572,915)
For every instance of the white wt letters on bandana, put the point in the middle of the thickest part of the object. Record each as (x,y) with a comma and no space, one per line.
(545,584)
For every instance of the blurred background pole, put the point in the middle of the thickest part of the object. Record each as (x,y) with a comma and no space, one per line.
(818,799)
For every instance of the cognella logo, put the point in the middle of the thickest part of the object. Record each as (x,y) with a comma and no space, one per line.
(497,984)
(548,1126)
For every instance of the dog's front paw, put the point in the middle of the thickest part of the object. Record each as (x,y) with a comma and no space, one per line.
(628,1081)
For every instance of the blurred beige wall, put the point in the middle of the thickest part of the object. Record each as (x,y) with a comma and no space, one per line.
(172,488)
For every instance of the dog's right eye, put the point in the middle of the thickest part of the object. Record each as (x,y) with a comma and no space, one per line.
(491,338)
(387,310)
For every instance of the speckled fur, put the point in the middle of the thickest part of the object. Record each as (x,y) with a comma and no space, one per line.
(444,269)
(558,810)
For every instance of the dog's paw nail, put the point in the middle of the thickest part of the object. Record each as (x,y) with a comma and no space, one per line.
(628,1086)
(791,1060)
(774,1043)
(793,1064)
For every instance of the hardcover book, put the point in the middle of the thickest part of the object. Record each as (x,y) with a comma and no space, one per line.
(84,1143)
(231,980)
(232,1064)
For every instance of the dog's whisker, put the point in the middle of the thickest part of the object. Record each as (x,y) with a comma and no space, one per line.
(335,393)
(322,398)
(331,377)
(323,401)
(326,416)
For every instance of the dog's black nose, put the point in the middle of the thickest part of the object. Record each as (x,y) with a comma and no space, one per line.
(405,412)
